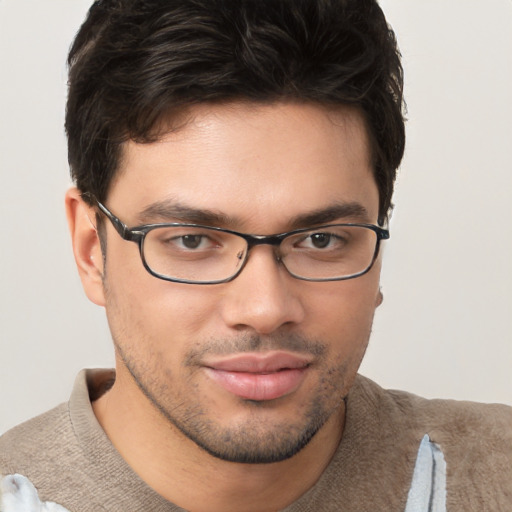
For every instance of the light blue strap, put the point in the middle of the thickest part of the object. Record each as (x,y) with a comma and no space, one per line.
(428,487)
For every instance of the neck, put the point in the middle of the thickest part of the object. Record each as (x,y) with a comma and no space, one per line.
(189,477)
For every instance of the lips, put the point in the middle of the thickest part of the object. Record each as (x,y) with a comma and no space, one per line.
(259,377)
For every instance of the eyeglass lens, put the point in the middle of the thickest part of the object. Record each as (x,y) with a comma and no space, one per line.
(197,254)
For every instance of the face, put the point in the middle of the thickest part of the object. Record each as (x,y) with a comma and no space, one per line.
(251,369)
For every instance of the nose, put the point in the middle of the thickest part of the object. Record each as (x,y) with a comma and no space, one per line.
(264,297)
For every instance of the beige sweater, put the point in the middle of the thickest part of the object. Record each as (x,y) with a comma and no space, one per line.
(69,459)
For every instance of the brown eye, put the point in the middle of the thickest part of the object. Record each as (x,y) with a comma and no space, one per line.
(192,241)
(320,240)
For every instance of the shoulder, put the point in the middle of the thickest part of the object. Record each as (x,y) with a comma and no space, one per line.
(29,444)
(452,419)
(56,450)
(475,438)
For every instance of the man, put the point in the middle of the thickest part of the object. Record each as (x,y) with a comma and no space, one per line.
(234,163)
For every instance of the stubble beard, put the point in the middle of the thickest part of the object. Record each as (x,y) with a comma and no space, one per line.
(254,441)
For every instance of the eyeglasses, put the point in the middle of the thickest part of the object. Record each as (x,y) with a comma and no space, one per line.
(194,254)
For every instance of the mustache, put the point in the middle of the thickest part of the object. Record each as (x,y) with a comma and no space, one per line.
(255,343)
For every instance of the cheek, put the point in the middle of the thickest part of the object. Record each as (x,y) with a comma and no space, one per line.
(345,306)
(144,310)
(342,318)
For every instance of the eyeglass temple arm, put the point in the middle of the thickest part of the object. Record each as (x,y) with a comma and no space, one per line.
(119,226)
(383,233)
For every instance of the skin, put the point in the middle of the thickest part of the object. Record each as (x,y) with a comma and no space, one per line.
(259,167)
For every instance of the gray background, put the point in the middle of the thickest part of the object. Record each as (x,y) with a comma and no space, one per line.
(445,326)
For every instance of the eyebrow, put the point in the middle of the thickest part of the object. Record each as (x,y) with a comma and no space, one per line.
(173,211)
(352,211)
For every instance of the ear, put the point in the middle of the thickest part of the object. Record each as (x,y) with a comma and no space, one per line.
(379,298)
(86,245)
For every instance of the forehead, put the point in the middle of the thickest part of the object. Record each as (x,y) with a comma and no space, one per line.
(254,162)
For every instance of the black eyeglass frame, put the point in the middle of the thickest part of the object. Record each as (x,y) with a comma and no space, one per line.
(137,234)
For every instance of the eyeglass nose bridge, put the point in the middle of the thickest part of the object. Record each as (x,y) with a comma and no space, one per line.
(273,240)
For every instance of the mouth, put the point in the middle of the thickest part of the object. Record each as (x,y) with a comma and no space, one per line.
(259,377)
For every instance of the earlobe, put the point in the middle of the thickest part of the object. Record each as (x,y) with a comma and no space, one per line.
(86,245)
